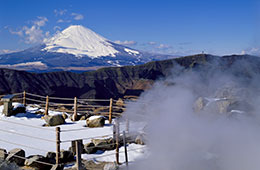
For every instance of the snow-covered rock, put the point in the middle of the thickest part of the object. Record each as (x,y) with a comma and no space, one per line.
(95,121)
(54,120)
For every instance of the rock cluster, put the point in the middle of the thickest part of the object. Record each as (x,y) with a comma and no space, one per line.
(227,100)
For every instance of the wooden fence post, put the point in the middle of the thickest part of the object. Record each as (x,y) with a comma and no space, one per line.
(47,106)
(78,154)
(24,98)
(127,125)
(114,132)
(57,145)
(117,141)
(110,110)
(126,156)
(75,115)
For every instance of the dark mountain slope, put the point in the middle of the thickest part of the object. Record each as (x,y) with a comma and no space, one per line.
(115,81)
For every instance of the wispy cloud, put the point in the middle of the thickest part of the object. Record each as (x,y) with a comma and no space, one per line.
(6,51)
(41,21)
(151,43)
(59,12)
(63,21)
(164,46)
(77,16)
(19,33)
(252,51)
(33,34)
(126,42)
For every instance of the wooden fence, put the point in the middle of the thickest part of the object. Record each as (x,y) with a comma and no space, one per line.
(74,106)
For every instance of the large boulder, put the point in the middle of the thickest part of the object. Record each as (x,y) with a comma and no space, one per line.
(54,120)
(90,148)
(15,155)
(95,121)
(3,153)
(32,161)
(104,144)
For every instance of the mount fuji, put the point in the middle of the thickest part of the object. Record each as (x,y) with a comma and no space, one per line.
(76,49)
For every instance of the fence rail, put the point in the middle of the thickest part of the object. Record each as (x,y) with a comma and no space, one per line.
(76,107)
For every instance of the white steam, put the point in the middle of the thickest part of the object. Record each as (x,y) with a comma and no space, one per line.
(181,139)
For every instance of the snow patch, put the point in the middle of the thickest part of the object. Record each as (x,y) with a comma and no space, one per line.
(35,63)
(131,51)
(80,41)
(94,117)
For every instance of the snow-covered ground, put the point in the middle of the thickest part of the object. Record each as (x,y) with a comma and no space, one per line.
(30,124)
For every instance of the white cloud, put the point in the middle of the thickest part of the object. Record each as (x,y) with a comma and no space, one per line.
(151,43)
(19,33)
(251,51)
(41,21)
(63,21)
(77,16)
(6,51)
(164,46)
(125,42)
(33,34)
(59,12)
(60,21)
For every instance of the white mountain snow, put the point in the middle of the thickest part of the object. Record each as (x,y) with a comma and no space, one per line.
(79,48)
(80,41)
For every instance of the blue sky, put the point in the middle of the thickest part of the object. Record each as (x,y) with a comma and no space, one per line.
(180,27)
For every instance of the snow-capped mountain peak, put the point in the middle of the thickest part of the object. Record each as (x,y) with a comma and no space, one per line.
(80,41)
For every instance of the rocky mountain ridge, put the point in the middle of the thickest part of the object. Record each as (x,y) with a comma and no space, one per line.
(115,82)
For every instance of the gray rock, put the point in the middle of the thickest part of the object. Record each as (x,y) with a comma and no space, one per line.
(54,120)
(3,154)
(66,156)
(31,161)
(12,156)
(95,122)
(85,116)
(51,157)
(199,104)
(4,165)
(225,100)
(140,139)
(111,166)
(104,144)
(90,148)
